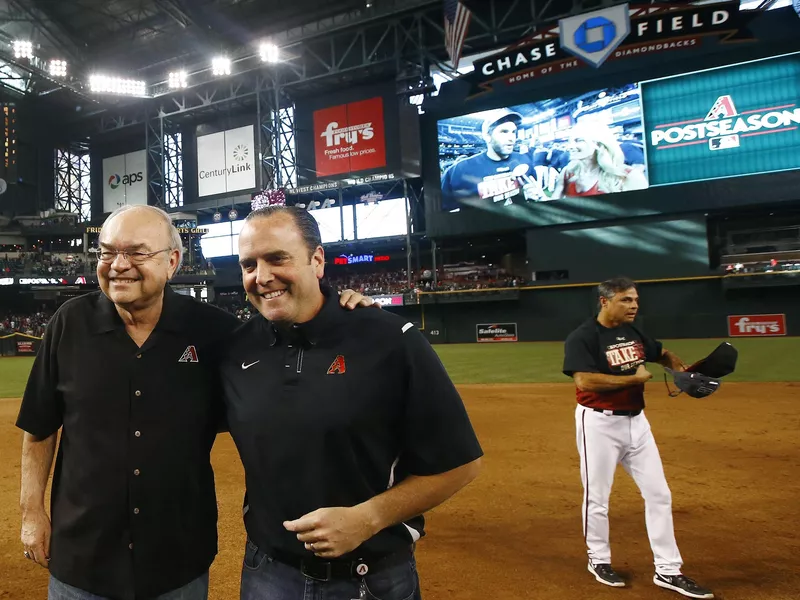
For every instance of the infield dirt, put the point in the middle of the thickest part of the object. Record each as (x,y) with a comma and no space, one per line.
(732,462)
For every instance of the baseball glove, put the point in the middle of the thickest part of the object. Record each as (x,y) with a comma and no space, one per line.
(703,377)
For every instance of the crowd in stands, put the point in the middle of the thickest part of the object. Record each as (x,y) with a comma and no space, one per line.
(372,284)
(763,266)
(457,278)
(28,324)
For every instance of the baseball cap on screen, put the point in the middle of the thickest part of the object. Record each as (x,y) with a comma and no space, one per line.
(495,117)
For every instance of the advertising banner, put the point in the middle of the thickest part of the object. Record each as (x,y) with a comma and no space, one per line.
(563,147)
(226,161)
(26,347)
(729,121)
(349,138)
(124,180)
(389,300)
(756,325)
(498,332)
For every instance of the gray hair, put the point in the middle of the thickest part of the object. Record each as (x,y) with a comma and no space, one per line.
(611,287)
(172,232)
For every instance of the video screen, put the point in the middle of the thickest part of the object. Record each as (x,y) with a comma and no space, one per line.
(585,145)
(386,218)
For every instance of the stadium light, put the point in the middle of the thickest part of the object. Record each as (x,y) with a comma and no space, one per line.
(270,53)
(117,85)
(177,80)
(23,49)
(58,68)
(221,66)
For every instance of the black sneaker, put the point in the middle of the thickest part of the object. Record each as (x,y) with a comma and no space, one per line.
(682,585)
(605,574)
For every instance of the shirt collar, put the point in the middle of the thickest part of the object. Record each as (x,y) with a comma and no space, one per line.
(173,316)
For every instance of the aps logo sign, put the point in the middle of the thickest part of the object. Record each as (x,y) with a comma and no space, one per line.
(724,127)
(115,180)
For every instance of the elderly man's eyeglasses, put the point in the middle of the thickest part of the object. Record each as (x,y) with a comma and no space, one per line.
(135,258)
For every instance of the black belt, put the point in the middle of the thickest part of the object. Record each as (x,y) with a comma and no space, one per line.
(322,570)
(620,413)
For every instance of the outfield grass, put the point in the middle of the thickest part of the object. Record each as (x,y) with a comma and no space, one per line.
(764,359)
(14,375)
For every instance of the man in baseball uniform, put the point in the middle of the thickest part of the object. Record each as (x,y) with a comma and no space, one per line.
(606,357)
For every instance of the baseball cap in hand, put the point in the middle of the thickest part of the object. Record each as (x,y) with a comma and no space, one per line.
(501,115)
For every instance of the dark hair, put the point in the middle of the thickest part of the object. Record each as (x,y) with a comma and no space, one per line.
(611,287)
(306,224)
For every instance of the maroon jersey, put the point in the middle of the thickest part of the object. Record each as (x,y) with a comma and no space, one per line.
(592,348)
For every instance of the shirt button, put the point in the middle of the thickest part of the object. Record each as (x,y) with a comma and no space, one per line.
(137,393)
(138,356)
(136,472)
(130,546)
(136,511)
(137,433)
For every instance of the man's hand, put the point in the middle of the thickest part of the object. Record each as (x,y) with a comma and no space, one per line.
(533,192)
(35,536)
(332,532)
(351,299)
(643,374)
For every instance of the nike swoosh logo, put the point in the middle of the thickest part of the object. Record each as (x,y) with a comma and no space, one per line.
(244,366)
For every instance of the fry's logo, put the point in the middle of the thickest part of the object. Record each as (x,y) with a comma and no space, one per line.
(336,136)
(756,325)
(723,126)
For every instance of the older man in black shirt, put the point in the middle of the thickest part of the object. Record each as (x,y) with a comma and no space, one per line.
(129,376)
(348,427)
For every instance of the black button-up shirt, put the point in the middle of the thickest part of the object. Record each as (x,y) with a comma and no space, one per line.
(335,411)
(133,507)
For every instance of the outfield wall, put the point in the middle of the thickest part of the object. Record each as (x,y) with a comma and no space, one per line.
(697,308)
(19,344)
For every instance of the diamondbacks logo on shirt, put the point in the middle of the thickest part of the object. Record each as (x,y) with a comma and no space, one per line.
(337,366)
(189,355)
(625,355)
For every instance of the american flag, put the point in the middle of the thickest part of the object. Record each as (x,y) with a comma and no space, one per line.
(456,23)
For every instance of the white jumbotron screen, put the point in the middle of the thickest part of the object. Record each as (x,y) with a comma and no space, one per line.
(382,219)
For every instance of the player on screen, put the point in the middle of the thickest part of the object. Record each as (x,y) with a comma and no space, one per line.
(499,173)
(597,165)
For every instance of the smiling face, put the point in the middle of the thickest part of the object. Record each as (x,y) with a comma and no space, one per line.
(580,148)
(280,273)
(136,286)
(622,307)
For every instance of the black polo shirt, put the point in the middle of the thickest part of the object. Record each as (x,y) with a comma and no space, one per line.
(335,411)
(133,507)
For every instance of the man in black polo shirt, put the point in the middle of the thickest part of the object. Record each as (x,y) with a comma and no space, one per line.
(130,377)
(606,357)
(348,427)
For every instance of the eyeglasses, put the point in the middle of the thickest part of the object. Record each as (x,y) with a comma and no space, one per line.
(135,258)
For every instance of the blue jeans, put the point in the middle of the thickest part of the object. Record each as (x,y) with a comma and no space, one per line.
(194,590)
(266,579)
